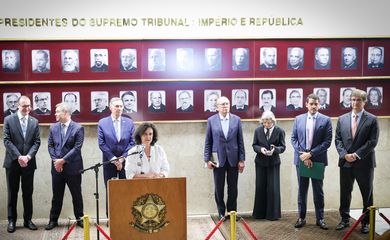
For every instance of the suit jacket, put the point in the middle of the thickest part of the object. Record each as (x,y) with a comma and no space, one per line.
(232,148)
(103,68)
(69,148)
(273,109)
(321,140)
(298,67)
(277,139)
(267,67)
(161,109)
(366,138)
(9,112)
(130,69)
(189,109)
(108,142)
(379,65)
(16,145)
(291,107)
(234,108)
(353,65)
(105,110)
(40,112)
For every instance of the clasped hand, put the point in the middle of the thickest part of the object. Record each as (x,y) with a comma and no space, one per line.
(58,164)
(23,161)
(268,152)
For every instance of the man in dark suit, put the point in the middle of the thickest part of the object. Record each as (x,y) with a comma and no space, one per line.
(357,135)
(295,100)
(100,59)
(21,141)
(128,60)
(240,98)
(66,138)
(11,100)
(376,57)
(322,58)
(41,58)
(323,97)
(71,99)
(309,149)
(269,59)
(42,101)
(267,97)
(349,57)
(295,58)
(115,138)
(224,137)
(185,99)
(240,59)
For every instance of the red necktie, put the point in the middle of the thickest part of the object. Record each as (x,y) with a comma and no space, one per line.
(354,125)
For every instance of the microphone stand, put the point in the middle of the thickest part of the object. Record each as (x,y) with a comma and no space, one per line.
(96,169)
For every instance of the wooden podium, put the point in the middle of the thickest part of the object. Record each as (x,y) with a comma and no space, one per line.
(147,209)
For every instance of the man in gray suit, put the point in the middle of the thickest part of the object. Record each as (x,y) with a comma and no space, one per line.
(21,141)
(224,137)
(357,134)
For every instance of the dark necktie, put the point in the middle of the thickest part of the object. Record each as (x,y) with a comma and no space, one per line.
(63,126)
(267,134)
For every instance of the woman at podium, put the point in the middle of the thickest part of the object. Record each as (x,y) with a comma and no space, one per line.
(146,159)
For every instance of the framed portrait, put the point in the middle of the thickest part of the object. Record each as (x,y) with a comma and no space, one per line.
(295,58)
(99,102)
(376,56)
(70,60)
(345,97)
(42,103)
(294,99)
(349,58)
(374,97)
(40,59)
(322,58)
(210,99)
(184,59)
(240,59)
(99,60)
(156,59)
(240,100)
(128,59)
(73,100)
(324,97)
(267,99)
(129,99)
(156,101)
(184,101)
(212,59)
(10,60)
(10,102)
(268,58)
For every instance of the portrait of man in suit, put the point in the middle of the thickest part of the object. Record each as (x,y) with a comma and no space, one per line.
(70,60)
(268,58)
(267,100)
(323,95)
(42,103)
(129,99)
(115,138)
(295,60)
(240,59)
(322,58)
(210,99)
(224,140)
(99,102)
(72,99)
(10,101)
(311,137)
(66,138)
(128,57)
(184,101)
(184,59)
(40,60)
(345,97)
(294,98)
(240,100)
(376,57)
(213,58)
(357,134)
(156,101)
(156,59)
(99,60)
(11,60)
(349,58)
(21,141)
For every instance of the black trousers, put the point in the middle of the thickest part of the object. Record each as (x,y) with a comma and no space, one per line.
(110,171)
(267,196)
(59,180)
(15,175)
(318,196)
(364,177)
(231,174)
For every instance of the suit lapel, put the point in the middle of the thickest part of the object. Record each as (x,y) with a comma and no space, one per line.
(361,122)
(68,131)
(17,123)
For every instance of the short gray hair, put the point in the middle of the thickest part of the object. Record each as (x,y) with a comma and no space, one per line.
(64,107)
(268,115)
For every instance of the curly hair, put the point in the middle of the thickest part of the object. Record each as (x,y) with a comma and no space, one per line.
(142,129)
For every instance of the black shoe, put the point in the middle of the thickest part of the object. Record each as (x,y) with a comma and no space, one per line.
(80,223)
(342,225)
(322,224)
(51,225)
(300,223)
(30,225)
(365,228)
(11,227)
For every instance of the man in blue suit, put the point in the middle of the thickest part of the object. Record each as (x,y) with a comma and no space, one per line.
(224,137)
(309,149)
(115,138)
(66,138)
